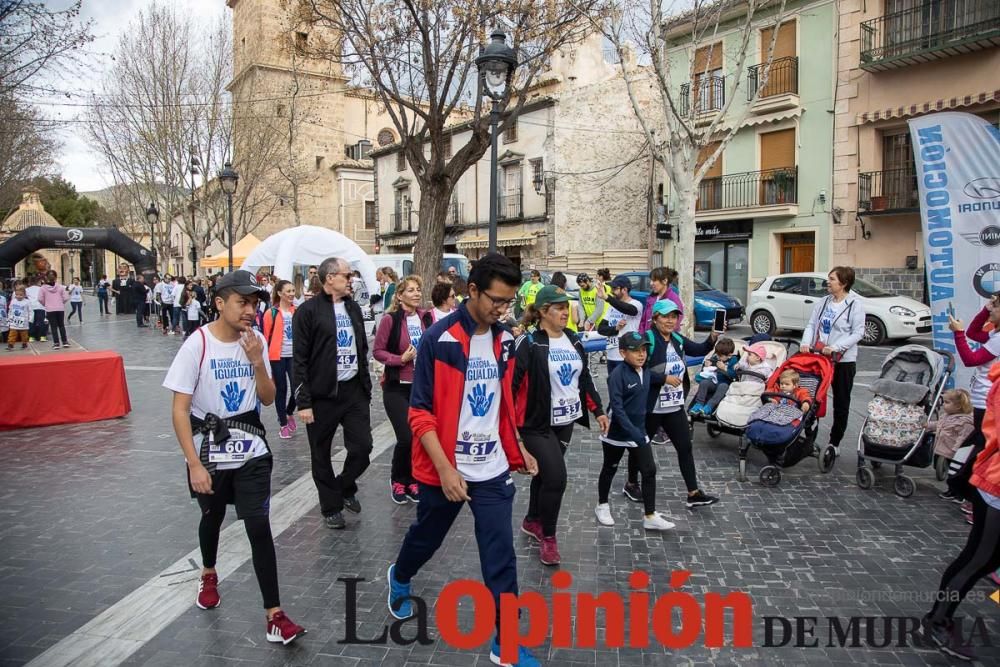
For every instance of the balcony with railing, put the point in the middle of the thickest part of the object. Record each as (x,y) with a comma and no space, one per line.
(781,89)
(889,191)
(510,206)
(771,193)
(709,98)
(456,214)
(932,30)
(400,221)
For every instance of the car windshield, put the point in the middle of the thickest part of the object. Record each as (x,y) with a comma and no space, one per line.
(701,286)
(869,291)
(457,262)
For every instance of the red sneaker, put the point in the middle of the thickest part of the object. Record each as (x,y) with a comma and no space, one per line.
(208,592)
(549,554)
(281,629)
(532,527)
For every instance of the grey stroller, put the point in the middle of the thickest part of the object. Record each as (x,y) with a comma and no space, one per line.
(895,433)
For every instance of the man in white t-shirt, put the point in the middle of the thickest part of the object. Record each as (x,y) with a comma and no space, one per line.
(466,442)
(218,378)
(333,388)
(623,315)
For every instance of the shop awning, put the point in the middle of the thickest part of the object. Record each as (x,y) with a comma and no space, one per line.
(241,251)
(398,241)
(927,107)
(772,117)
(502,241)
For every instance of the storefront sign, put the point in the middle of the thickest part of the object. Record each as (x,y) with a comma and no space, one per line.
(727,230)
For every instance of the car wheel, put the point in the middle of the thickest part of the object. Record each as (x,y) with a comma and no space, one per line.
(874,331)
(762,323)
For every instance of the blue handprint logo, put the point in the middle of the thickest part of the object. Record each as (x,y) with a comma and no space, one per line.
(479,401)
(232,395)
(344,339)
(566,373)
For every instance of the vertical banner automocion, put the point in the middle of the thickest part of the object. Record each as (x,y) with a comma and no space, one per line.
(957,158)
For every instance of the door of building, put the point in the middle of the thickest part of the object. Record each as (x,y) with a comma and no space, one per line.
(798,253)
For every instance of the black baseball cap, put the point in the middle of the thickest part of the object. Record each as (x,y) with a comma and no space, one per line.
(241,282)
(583,278)
(633,340)
(621,282)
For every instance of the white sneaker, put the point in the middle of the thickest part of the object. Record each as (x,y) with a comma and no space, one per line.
(603,512)
(656,522)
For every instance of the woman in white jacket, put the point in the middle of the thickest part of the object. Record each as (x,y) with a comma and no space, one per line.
(835,328)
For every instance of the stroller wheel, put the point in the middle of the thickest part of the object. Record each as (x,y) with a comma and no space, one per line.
(940,468)
(742,476)
(770,476)
(826,459)
(865,478)
(904,486)
(714,431)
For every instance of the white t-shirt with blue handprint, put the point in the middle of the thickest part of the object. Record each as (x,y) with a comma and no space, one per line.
(414,329)
(222,382)
(347,347)
(479,455)
(565,366)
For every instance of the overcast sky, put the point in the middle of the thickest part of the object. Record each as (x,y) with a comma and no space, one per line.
(79,164)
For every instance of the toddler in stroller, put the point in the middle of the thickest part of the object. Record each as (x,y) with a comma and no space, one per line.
(716,375)
(784,427)
(743,396)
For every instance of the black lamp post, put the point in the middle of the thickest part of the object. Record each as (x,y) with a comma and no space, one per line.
(193,168)
(496,64)
(228,178)
(152,216)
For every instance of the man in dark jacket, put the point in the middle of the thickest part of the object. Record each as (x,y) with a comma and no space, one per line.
(137,288)
(333,387)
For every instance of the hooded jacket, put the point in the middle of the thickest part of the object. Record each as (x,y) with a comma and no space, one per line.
(53,298)
(846,331)
(986,470)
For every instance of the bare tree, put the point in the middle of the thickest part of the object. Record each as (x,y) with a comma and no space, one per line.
(419,58)
(677,141)
(34,40)
(27,149)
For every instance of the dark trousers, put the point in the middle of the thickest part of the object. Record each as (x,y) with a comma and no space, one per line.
(281,371)
(979,557)
(38,328)
(958,483)
(675,425)
(843,383)
(710,393)
(645,464)
(102,303)
(190,326)
(492,505)
(165,311)
(57,322)
(140,317)
(76,308)
(548,486)
(352,409)
(396,401)
(175,314)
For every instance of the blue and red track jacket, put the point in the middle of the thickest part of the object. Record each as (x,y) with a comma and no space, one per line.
(439,389)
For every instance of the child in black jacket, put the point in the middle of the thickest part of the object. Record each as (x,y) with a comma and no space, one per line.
(628,389)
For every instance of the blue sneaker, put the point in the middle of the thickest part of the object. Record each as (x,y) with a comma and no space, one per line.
(399,603)
(696,408)
(707,410)
(524,657)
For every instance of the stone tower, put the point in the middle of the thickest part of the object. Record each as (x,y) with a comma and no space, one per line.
(300,123)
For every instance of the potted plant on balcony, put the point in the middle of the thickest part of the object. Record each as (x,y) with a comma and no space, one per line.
(784,181)
(879,203)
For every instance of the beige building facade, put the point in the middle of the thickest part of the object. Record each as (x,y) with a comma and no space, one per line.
(573,176)
(322,174)
(899,59)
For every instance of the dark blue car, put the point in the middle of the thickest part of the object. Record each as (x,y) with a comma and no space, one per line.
(707,299)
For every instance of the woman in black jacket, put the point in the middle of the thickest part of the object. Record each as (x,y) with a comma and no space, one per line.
(553,389)
(666,401)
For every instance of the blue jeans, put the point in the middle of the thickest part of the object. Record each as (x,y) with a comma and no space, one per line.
(492,505)
(176,316)
(281,371)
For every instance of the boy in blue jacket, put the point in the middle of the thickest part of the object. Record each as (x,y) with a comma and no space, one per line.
(628,389)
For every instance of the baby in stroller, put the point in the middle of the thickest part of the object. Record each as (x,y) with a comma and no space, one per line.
(716,375)
(752,372)
(792,393)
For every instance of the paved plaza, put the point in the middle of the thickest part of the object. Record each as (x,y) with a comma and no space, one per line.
(98,546)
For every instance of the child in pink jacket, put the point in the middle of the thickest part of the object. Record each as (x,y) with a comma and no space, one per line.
(53,297)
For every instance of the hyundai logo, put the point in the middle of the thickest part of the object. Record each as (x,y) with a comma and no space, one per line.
(983,188)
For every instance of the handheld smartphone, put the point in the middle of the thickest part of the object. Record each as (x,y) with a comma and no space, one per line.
(720,320)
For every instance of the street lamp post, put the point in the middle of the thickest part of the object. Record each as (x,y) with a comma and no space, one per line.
(195,163)
(152,216)
(496,64)
(228,178)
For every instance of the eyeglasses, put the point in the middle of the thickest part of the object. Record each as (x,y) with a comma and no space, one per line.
(498,303)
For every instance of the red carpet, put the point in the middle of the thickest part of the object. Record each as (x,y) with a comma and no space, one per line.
(65,388)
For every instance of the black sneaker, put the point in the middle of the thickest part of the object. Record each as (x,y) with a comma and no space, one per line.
(352,505)
(700,499)
(335,521)
(951,497)
(632,491)
(948,639)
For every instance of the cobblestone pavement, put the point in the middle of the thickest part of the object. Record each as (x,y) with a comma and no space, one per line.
(91,513)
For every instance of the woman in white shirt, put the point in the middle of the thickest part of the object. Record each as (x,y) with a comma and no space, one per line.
(75,301)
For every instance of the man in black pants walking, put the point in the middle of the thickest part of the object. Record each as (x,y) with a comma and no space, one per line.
(333,387)
(138,288)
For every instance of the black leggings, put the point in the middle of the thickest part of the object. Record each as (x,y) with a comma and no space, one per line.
(396,401)
(265,563)
(958,483)
(547,487)
(57,324)
(281,371)
(675,425)
(843,383)
(980,556)
(643,458)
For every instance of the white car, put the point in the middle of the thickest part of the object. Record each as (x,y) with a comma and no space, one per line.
(787,302)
